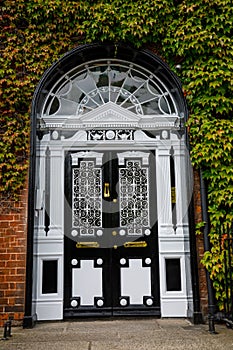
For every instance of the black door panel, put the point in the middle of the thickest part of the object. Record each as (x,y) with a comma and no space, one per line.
(111,240)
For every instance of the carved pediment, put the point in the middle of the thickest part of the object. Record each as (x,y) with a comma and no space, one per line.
(110,113)
(105,116)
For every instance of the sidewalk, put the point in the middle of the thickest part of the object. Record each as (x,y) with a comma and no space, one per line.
(120,334)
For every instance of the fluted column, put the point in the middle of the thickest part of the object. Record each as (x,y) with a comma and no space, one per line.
(40,190)
(164,191)
(182,189)
(56,190)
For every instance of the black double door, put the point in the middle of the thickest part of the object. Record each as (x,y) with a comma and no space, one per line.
(111,245)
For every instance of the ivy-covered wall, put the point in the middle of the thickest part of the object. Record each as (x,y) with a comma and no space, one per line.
(195,34)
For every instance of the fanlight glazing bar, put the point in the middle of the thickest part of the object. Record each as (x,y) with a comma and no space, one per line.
(128,85)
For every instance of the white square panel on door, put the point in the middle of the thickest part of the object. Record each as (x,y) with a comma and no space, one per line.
(135,281)
(87,282)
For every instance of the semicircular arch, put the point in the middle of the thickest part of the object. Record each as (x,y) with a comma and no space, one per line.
(92,75)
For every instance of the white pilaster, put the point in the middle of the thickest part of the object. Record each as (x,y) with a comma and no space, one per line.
(163,183)
(50,247)
(40,190)
(173,245)
(56,189)
(182,189)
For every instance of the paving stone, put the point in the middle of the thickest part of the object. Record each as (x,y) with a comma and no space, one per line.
(119,334)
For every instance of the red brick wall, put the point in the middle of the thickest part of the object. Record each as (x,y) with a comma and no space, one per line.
(13,228)
(200,245)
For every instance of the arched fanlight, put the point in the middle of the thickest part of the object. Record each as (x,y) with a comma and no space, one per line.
(87,87)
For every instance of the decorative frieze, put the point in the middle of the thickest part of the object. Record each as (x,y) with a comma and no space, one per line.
(102,135)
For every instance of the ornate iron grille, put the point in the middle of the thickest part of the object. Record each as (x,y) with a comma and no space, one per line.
(87,198)
(134,201)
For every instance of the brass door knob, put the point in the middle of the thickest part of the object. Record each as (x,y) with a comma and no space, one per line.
(114,233)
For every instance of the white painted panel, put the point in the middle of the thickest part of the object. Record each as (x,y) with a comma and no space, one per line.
(87,282)
(49,310)
(174,307)
(135,281)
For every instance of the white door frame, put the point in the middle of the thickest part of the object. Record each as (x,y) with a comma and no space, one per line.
(173,244)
